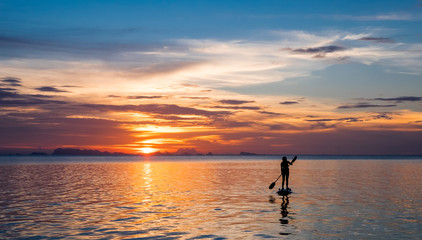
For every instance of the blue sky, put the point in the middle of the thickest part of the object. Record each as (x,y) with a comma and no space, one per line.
(158,20)
(268,67)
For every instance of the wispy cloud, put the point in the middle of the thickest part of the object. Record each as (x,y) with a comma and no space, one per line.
(270,113)
(323,49)
(49,89)
(400,99)
(144,97)
(11,98)
(393,16)
(197,98)
(377,39)
(289,102)
(348,119)
(10,81)
(239,107)
(384,115)
(235,102)
(365,105)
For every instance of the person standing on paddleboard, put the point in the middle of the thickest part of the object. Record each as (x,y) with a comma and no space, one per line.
(285,172)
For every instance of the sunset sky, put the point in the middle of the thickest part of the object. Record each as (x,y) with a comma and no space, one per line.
(276,77)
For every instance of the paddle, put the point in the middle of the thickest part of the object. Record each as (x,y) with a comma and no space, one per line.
(273,184)
(294,159)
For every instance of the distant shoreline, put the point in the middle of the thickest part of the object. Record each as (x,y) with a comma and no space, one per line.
(69,152)
(304,157)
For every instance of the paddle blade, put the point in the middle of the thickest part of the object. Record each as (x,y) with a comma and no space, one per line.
(294,159)
(272,185)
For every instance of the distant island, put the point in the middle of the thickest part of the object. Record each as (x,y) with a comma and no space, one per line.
(71,152)
(84,152)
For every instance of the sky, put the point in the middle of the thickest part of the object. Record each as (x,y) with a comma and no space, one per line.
(268,77)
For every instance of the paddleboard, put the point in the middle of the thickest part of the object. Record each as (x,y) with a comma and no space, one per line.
(284,192)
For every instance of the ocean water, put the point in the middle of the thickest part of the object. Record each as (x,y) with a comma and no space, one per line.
(208,198)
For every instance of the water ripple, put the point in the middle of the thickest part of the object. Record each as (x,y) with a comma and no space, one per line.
(210,200)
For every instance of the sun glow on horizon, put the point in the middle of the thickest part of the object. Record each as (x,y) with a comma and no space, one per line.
(147,150)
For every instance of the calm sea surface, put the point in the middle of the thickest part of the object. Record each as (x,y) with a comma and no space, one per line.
(208,198)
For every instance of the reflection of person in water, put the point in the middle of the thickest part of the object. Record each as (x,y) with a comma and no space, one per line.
(284,220)
(284,205)
(284,211)
(285,172)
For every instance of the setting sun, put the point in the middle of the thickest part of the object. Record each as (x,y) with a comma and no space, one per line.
(147,150)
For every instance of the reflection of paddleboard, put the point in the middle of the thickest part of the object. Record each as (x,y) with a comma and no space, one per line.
(284,192)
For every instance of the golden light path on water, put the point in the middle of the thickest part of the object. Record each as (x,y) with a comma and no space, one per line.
(209,198)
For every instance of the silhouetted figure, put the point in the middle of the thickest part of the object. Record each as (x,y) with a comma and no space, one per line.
(285,172)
